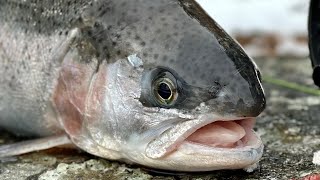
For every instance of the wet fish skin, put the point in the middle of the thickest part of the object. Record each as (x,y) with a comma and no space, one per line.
(103,102)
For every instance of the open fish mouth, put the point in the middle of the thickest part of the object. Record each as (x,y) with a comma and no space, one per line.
(230,135)
(224,134)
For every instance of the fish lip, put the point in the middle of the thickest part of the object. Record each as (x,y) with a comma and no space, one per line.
(181,142)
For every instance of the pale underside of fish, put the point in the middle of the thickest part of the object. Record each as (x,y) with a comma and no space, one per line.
(157,83)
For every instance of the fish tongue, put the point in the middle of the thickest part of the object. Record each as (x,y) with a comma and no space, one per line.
(218,134)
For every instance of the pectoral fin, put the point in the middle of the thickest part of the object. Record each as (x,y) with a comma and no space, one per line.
(33,145)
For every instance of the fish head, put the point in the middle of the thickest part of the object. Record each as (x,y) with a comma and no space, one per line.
(173,90)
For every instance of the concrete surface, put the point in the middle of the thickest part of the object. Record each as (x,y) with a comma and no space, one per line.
(289,127)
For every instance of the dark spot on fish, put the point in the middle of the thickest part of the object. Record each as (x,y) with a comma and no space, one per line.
(123,4)
(118,52)
(108,56)
(100,40)
(124,14)
(102,13)
(96,24)
(145,54)
(145,28)
(142,43)
(204,57)
(114,43)
(89,33)
(184,23)
(134,28)
(118,36)
(137,37)
(155,56)
(207,64)
(66,33)
(60,33)
(165,58)
(202,76)
(196,69)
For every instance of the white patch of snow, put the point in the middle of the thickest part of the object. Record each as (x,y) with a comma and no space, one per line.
(285,19)
(283,16)
(316,158)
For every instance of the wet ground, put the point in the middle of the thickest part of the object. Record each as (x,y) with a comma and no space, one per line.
(289,127)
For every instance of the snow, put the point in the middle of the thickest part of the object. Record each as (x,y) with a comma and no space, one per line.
(282,16)
(285,20)
(316,158)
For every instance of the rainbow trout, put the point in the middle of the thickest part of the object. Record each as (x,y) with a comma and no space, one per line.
(157,83)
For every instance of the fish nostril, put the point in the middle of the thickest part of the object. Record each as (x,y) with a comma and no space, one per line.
(214,89)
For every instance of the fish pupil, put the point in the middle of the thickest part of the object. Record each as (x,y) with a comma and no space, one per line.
(164,91)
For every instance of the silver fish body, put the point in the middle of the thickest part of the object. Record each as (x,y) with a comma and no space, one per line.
(157,83)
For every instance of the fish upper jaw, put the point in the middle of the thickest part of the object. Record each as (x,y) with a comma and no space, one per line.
(209,142)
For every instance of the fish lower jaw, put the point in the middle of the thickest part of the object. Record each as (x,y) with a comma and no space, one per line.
(206,158)
(208,155)
(205,145)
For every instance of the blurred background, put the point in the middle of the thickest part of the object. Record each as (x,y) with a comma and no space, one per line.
(273,28)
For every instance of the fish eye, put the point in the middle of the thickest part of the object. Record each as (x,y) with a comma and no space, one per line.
(165,90)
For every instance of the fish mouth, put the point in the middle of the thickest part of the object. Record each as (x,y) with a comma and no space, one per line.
(203,136)
(224,134)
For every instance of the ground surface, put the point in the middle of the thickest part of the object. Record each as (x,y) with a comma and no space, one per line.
(289,127)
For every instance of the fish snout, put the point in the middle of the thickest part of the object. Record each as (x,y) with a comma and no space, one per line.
(250,99)
(242,96)
(258,100)
(252,109)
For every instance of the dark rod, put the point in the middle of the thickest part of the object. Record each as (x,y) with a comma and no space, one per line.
(314,39)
